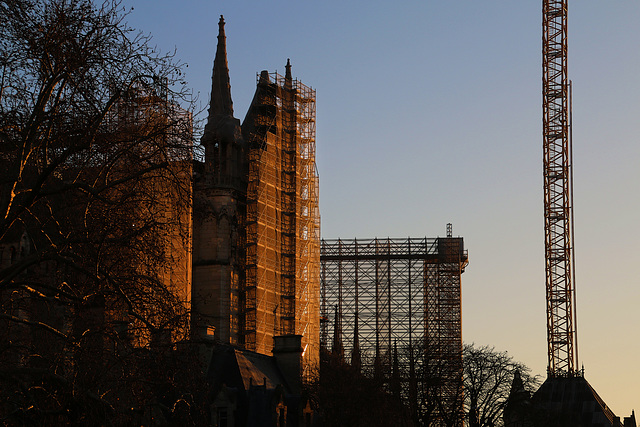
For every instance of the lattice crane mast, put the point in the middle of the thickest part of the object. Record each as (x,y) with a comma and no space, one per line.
(558,203)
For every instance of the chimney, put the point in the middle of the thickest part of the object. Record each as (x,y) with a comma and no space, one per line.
(287,350)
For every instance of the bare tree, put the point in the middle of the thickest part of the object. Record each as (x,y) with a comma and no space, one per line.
(433,385)
(488,376)
(95,181)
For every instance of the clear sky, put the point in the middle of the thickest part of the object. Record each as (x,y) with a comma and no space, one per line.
(430,112)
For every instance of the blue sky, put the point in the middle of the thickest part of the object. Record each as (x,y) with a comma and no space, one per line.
(430,112)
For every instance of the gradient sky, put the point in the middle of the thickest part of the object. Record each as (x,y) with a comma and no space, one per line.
(430,112)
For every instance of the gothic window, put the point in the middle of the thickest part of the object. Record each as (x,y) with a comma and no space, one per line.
(223,159)
(25,245)
(223,417)
(281,411)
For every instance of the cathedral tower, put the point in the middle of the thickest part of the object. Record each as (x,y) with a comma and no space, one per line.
(283,221)
(219,209)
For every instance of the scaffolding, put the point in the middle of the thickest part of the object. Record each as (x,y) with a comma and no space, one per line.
(403,294)
(282,241)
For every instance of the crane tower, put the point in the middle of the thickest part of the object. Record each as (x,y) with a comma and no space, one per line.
(558,203)
(565,398)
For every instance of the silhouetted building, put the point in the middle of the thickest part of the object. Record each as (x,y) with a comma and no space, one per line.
(560,402)
(255,390)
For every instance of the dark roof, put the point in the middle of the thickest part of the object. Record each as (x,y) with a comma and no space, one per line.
(258,369)
(574,397)
(243,369)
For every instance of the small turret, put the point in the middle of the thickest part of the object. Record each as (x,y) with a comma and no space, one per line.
(517,409)
(288,80)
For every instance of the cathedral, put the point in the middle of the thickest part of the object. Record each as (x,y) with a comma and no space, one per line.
(229,242)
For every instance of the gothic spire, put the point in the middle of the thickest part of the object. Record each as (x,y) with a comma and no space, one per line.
(221,103)
(338,349)
(355,352)
(395,373)
(222,136)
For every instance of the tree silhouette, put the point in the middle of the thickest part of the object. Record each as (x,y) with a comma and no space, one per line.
(488,376)
(95,182)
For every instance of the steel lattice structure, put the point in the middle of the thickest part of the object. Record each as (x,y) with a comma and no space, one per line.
(388,294)
(558,207)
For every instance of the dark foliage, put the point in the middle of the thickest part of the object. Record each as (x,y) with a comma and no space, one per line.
(488,377)
(348,398)
(95,188)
